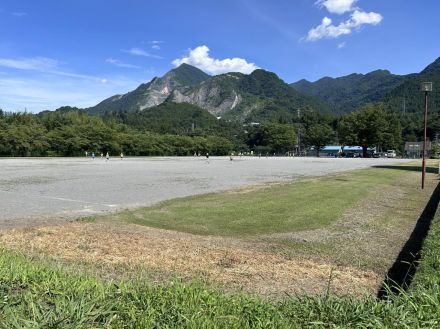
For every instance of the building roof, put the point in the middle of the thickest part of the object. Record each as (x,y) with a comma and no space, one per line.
(352,148)
(331,148)
(356,149)
(416,146)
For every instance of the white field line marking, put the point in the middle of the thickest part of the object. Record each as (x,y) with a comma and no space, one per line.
(60,199)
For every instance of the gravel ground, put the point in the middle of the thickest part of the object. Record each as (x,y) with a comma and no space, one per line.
(41,189)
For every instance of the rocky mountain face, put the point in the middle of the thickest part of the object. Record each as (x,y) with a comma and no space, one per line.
(219,94)
(348,93)
(260,95)
(152,93)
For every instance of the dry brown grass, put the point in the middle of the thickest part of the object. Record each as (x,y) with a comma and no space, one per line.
(368,235)
(234,263)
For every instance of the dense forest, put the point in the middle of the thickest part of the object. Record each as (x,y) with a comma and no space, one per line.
(71,132)
(184,129)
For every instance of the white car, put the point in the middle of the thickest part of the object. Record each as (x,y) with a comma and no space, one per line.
(391,154)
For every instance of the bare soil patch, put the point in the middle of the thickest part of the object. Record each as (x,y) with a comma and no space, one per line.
(234,263)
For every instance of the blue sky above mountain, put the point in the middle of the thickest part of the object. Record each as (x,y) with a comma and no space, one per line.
(55,53)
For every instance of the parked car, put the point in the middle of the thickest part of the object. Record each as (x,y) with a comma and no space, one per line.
(391,154)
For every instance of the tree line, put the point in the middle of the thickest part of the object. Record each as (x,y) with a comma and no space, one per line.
(73,132)
(183,130)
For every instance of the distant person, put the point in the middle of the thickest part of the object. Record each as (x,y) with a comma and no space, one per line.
(87,153)
(107,156)
(122,155)
(207,157)
(93,155)
(231,157)
(102,155)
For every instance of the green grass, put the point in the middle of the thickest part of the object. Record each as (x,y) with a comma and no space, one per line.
(34,294)
(303,205)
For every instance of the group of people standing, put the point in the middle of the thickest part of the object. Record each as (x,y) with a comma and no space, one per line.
(107,155)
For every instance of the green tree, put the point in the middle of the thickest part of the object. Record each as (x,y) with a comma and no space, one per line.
(318,135)
(435,149)
(367,127)
(279,137)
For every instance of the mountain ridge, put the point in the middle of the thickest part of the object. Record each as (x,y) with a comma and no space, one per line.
(152,93)
(263,96)
(347,93)
(236,96)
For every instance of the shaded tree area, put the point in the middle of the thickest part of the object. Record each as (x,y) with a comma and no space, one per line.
(183,129)
(71,132)
(371,126)
(272,138)
(318,130)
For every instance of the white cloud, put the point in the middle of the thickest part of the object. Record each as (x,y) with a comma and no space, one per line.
(35,64)
(155,47)
(342,45)
(141,52)
(362,17)
(118,63)
(337,6)
(43,65)
(41,92)
(41,83)
(199,57)
(329,31)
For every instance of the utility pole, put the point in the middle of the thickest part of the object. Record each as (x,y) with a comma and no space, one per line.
(298,112)
(426,87)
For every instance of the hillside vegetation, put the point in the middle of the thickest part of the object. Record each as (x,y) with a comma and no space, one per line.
(259,96)
(348,93)
(409,94)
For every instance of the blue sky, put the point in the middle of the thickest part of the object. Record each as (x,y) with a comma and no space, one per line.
(55,53)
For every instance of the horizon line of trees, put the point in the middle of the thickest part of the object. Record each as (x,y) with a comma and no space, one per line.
(71,132)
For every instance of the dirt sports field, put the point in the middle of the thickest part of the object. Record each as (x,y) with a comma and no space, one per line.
(322,228)
(38,189)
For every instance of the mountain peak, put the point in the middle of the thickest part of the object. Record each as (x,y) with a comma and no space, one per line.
(185,66)
(432,68)
(378,73)
(187,74)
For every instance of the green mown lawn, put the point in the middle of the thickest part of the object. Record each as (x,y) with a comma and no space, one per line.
(302,205)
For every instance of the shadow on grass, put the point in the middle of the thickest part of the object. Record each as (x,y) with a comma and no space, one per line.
(430,170)
(400,275)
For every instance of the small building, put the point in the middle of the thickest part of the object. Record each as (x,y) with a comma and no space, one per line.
(414,149)
(357,151)
(330,150)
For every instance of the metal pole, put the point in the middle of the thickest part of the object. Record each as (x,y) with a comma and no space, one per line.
(424,140)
